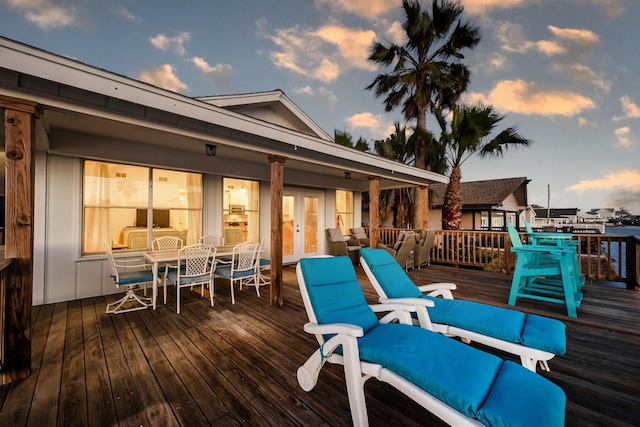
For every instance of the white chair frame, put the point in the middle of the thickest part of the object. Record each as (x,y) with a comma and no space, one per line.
(120,279)
(195,266)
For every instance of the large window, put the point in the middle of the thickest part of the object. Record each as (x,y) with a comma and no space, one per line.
(344,211)
(241,210)
(128,206)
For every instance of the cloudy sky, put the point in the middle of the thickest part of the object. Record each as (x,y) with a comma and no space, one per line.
(564,72)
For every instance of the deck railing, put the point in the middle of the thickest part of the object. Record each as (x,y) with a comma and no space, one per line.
(614,258)
(5,277)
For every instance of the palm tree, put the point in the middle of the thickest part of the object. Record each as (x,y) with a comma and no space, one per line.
(397,147)
(427,73)
(470,133)
(345,138)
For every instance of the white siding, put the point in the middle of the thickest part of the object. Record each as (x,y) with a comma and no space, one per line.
(62,230)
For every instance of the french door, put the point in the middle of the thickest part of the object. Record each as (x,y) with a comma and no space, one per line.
(302,222)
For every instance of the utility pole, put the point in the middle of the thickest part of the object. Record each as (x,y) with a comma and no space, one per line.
(548,204)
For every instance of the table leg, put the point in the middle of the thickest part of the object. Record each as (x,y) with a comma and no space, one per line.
(154,268)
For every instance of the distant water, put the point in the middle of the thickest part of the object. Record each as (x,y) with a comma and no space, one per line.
(631,230)
(616,257)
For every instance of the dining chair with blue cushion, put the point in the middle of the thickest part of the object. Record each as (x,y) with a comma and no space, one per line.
(460,384)
(242,268)
(131,274)
(194,267)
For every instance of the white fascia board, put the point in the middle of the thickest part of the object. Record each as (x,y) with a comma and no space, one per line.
(45,65)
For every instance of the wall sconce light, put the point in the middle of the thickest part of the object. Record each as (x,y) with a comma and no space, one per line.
(347,175)
(211,149)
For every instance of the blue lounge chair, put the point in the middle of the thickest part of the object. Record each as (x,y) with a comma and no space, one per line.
(535,339)
(459,384)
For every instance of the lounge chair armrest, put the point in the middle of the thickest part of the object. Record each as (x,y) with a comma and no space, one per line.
(417,305)
(398,303)
(435,286)
(334,328)
(438,289)
(353,242)
(387,248)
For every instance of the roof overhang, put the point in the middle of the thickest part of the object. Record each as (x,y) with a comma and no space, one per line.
(86,108)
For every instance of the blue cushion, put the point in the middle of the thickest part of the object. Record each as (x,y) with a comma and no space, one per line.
(485,319)
(453,372)
(134,277)
(523,398)
(334,291)
(173,278)
(225,271)
(545,334)
(390,275)
(477,384)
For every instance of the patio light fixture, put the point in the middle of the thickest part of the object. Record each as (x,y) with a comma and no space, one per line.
(347,175)
(211,150)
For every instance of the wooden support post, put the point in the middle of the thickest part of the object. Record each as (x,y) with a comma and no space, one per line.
(277,179)
(19,126)
(374,206)
(424,201)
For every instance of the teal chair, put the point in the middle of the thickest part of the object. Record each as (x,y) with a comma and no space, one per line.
(534,339)
(556,239)
(545,273)
(460,384)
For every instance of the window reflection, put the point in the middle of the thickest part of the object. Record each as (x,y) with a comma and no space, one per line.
(344,211)
(123,203)
(241,210)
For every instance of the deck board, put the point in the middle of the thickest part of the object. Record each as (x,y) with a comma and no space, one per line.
(236,364)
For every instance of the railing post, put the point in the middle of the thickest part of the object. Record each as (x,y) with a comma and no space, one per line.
(632,262)
(374,204)
(277,176)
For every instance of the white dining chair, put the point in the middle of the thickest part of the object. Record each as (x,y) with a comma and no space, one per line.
(129,273)
(242,268)
(193,268)
(165,243)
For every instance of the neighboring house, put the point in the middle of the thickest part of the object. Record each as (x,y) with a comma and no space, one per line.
(119,161)
(555,216)
(486,205)
(603,214)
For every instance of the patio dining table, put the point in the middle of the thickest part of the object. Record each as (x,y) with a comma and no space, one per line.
(171,255)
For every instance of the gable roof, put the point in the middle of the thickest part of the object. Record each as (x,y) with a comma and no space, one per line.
(487,193)
(266,106)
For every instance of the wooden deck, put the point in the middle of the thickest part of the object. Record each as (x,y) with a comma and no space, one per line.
(236,364)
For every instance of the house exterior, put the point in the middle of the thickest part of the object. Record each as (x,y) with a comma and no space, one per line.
(120,162)
(487,204)
(555,216)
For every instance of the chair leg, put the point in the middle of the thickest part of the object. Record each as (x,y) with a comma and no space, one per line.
(211,290)
(129,296)
(355,384)
(177,298)
(233,298)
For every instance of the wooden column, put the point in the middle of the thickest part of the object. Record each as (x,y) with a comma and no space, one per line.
(374,209)
(19,127)
(423,193)
(277,179)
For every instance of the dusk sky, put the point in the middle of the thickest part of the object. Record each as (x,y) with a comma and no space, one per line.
(564,72)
